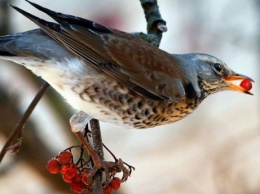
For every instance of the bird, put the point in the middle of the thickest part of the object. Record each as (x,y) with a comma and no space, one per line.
(114,76)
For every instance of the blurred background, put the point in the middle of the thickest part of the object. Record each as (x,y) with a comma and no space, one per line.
(215,150)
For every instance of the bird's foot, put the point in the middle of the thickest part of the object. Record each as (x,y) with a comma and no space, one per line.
(78,124)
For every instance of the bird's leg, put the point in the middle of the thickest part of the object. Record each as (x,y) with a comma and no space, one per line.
(78,124)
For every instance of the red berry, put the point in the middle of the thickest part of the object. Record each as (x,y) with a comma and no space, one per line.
(64,157)
(77,187)
(84,178)
(64,169)
(77,178)
(53,166)
(70,170)
(107,190)
(115,183)
(246,84)
(67,179)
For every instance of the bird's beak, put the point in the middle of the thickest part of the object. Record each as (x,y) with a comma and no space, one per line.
(237,77)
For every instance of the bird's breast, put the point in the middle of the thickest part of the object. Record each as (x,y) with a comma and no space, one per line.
(109,101)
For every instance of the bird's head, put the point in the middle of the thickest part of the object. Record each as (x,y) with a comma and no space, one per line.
(214,75)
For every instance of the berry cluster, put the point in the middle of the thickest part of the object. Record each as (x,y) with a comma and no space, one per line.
(76,173)
(71,173)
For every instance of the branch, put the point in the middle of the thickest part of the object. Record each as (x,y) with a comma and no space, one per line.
(98,147)
(155,24)
(17,131)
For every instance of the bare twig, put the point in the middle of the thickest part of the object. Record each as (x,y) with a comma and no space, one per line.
(17,131)
(155,24)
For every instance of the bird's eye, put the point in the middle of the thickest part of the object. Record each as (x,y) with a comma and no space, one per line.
(218,67)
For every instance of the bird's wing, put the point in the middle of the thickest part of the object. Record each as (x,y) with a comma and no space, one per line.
(142,67)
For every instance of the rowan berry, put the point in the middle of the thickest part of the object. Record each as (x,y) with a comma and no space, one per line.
(77,187)
(115,183)
(53,166)
(84,178)
(107,190)
(246,84)
(67,179)
(64,157)
(70,170)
